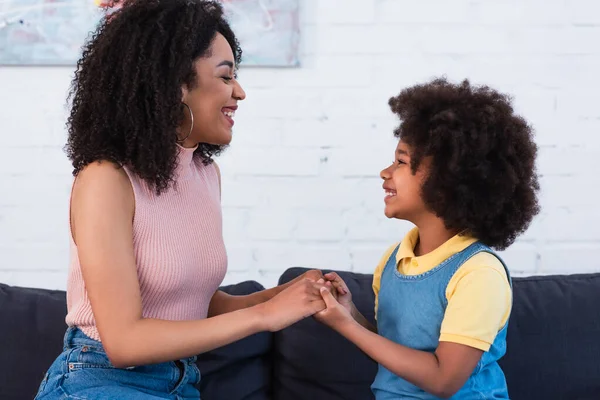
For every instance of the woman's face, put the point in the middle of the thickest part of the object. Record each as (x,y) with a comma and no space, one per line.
(213,98)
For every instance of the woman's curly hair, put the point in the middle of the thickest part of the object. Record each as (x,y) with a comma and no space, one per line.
(126,93)
(482,178)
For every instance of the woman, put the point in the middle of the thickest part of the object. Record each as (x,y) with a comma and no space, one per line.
(154,97)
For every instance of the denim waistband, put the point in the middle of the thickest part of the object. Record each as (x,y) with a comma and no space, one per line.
(74,337)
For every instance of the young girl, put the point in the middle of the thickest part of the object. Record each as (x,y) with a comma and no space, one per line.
(154,98)
(464,175)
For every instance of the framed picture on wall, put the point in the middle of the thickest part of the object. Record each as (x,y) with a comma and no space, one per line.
(52,32)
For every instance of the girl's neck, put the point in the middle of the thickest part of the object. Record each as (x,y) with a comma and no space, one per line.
(432,234)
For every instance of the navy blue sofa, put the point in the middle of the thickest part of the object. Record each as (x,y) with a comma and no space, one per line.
(553,346)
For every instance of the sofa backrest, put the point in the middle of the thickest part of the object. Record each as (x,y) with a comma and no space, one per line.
(241,370)
(553,349)
(312,361)
(32,327)
(553,344)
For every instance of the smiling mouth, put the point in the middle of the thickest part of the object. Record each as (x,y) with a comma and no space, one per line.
(229,114)
(389,194)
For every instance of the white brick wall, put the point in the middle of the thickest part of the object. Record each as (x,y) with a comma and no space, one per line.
(300,182)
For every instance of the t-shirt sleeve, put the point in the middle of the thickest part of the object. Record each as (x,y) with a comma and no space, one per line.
(378,272)
(479,302)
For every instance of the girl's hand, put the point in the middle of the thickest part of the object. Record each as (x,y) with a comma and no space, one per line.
(335,315)
(340,290)
(300,300)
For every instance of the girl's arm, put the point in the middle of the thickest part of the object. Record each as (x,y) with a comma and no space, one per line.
(102,209)
(358,317)
(442,373)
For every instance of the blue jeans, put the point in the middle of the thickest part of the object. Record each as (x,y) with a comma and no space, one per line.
(83,371)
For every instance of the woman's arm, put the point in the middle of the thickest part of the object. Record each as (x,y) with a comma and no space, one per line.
(222,302)
(102,210)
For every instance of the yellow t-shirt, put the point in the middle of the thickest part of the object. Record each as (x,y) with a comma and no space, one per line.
(479,294)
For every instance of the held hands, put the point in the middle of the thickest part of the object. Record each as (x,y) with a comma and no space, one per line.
(313,275)
(299,300)
(327,297)
(339,290)
(334,315)
(338,300)
(327,280)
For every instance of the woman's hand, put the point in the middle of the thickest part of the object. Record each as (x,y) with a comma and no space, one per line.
(313,275)
(298,301)
(222,303)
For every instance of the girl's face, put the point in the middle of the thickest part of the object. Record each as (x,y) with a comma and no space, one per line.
(403,188)
(213,98)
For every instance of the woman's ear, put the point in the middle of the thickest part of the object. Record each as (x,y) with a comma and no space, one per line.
(184,93)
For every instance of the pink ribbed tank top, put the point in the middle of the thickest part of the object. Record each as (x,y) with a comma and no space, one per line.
(179,248)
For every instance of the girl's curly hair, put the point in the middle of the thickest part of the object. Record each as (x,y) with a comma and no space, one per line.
(482,177)
(126,92)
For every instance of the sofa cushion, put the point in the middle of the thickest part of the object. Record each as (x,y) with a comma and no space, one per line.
(553,338)
(32,327)
(241,370)
(312,361)
(553,349)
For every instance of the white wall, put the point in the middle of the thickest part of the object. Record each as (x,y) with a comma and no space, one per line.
(300,182)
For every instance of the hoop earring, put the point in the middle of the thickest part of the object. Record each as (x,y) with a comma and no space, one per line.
(192,127)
